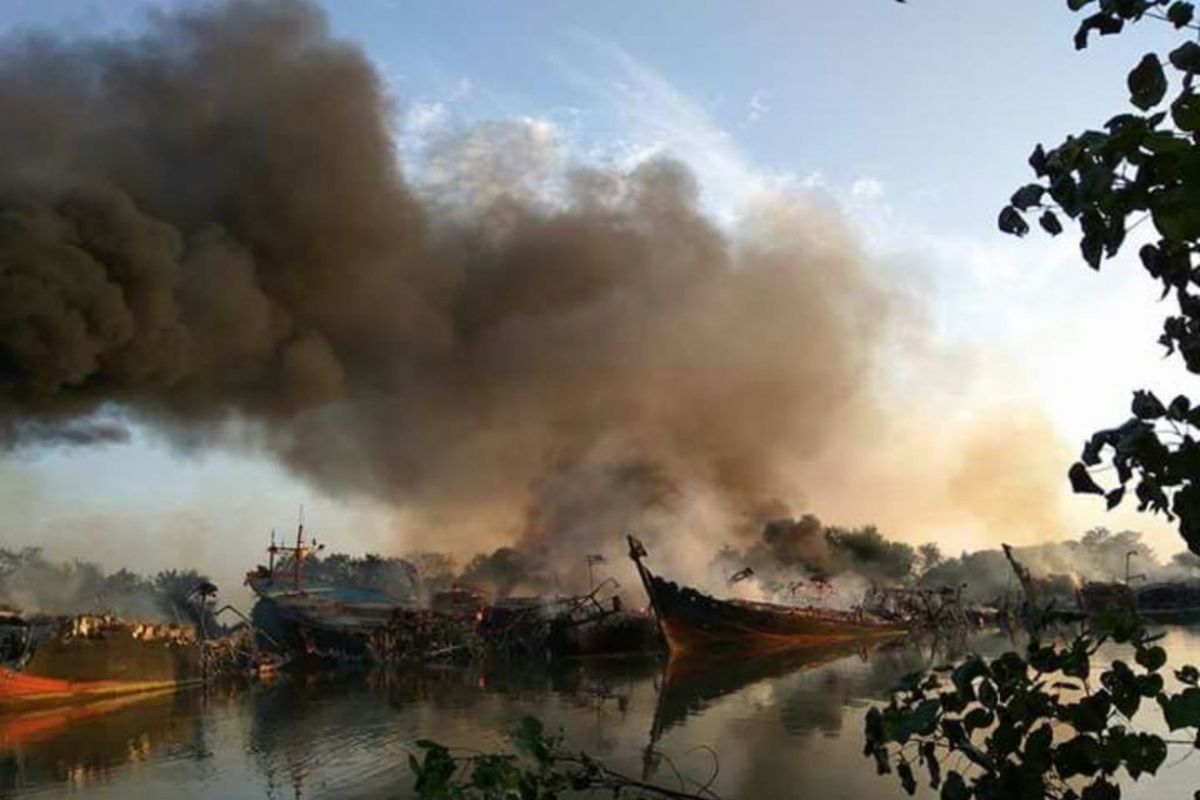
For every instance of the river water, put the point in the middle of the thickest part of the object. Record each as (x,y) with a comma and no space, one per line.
(776,728)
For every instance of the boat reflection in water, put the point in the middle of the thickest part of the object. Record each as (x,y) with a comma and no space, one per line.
(692,683)
(776,721)
(78,746)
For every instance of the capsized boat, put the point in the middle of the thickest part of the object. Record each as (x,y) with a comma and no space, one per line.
(691,620)
(47,660)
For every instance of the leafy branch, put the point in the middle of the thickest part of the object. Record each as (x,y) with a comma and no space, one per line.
(1035,726)
(1143,165)
(540,770)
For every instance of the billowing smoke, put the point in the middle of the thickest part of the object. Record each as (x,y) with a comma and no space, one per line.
(207,228)
(32,583)
(67,433)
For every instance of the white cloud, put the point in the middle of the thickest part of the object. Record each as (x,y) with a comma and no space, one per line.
(757,107)
(423,116)
(653,117)
(866,189)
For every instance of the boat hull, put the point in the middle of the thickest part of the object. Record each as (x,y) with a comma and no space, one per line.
(692,621)
(84,658)
(20,691)
(321,621)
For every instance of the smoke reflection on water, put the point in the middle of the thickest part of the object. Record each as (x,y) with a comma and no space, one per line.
(776,724)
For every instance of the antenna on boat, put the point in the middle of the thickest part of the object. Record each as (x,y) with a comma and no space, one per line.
(271,551)
(592,559)
(299,552)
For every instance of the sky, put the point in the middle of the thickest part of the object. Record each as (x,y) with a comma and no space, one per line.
(913,119)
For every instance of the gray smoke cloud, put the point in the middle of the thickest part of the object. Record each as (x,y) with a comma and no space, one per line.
(208,228)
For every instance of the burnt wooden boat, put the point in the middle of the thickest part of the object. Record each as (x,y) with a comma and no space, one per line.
(691,620)
(62,660)
(313,619)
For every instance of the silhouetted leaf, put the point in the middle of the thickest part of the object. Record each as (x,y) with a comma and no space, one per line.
(1152,658)
(1102,23)
(1143,752)
(929,756)
(1037,160)
(1113,498)
(1101,789)
(978,718)
(1122,687)
(1147,83)
(905,773)
(1090,714)
(1081,481)
(1077,756)
(965,673)
(923,721)
(1182,710)
(1010,221)
(1050,224)
(955,788)
(1186,57)
(1180,13)
(987,694)
(1179,408)
(1075,662)
(1036,755)
(1185,112)
(1091,247)
(1146,405)
(1028,195)
(1176,213)
(1150,685)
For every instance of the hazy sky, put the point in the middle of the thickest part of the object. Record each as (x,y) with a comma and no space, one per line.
(915,119)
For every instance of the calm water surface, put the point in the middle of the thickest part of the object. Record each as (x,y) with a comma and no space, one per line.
(787,728)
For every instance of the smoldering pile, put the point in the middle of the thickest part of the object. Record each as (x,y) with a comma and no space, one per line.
(205,229)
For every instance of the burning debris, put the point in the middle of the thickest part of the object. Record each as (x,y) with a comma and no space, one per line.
(316,619)
(800,561)
(925,609)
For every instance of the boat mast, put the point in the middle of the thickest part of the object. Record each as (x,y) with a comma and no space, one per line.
(298,553)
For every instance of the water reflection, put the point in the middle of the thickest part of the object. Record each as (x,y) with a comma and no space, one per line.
(77,746)
(783,726)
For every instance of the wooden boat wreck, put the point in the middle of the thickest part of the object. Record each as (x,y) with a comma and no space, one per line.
(59,660)
(312,619)
(691,620)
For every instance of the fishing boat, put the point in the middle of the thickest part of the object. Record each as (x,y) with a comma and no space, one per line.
(317,619)
(691,620)
(48,660)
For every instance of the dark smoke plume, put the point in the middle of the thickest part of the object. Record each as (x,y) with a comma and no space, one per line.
(207,228)
(67,433)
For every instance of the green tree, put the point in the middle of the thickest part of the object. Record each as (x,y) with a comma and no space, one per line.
(1143,165)
(1039,725)
(930,555)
